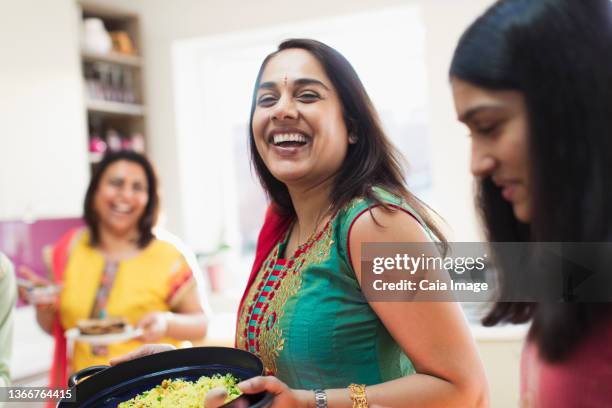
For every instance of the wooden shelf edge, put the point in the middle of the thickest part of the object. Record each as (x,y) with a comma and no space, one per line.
(117,108)
(113,57)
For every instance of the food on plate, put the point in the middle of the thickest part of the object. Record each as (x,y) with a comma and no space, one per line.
(102,326)
(39,292)
(182,393)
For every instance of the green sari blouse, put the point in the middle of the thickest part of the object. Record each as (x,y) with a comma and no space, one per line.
(306,317)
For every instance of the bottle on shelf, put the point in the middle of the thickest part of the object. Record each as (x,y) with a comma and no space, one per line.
(109,82)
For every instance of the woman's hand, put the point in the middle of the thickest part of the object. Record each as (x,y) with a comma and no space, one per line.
(215,397)
(145,350)
(42,302)
(284,397)
(154,326)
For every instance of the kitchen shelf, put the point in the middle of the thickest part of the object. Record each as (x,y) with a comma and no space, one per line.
(117,75)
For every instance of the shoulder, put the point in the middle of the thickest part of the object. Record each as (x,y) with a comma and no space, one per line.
(161,249)
(392,224)
(168,243)
(168,248)
(389,217)
(75,237)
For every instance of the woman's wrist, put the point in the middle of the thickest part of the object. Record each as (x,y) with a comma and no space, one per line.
(306,398)
(183,326)
(339,398)
(169,320)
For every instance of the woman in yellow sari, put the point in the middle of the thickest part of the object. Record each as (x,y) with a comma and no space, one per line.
(117,267)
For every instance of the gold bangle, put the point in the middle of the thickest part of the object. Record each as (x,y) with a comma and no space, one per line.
(358,395)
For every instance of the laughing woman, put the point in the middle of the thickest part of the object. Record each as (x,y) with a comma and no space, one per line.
(335,182)
(117,267)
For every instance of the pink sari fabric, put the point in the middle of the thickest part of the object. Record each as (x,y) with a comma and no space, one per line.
(584,380)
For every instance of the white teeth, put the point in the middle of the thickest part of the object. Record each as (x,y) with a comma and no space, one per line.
(289,137)
(122,208)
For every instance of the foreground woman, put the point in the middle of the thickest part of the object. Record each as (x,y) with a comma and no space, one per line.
(531,80)
(335,182)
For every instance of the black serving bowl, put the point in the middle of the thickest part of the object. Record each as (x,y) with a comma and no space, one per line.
(106,387)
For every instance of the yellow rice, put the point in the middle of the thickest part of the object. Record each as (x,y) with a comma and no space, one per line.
(181,393)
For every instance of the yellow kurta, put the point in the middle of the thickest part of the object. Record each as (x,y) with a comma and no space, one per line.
(153,281)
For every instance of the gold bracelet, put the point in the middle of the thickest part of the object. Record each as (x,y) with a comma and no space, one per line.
(358,395)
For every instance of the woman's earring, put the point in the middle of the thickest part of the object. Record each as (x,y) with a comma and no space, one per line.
(353,139)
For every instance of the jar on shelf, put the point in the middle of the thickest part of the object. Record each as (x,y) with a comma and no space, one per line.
(95,37)
(113,140)
(138,142)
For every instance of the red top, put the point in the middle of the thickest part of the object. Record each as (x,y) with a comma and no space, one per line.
(584,380)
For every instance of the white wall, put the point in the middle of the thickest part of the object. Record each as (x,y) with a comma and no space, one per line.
(43,162)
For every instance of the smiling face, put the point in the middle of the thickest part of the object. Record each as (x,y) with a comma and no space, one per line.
(499,130)
(298,123)
(121,197)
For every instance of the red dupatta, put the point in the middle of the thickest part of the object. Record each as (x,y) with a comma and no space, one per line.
(58,376)
(274,227)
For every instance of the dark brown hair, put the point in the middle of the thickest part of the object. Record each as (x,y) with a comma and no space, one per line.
(370,162)
(557,53)
(149,217)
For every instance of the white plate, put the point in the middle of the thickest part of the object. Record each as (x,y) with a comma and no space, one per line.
(103,339)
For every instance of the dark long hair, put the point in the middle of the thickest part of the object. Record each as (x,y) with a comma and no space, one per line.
(149,217)
(557,53)
(371,161)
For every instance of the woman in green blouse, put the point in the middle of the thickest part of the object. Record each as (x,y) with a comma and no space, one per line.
(335,182)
